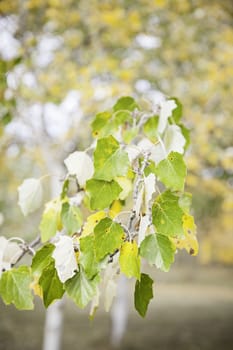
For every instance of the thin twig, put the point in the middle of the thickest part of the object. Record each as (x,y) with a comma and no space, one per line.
(27,248)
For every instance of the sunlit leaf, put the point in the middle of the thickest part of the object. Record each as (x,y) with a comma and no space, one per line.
(125,103)
(82,289)
(150,128)
(158,250)
(109,159)
(15,288)
(189,240)
(102,193)
(88,258)
(109,236)
(167,215)
(51,221)
(126,186)
(129,260)
(172,171)
(92,221)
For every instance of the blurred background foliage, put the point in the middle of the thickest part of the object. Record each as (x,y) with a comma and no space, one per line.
(63,61)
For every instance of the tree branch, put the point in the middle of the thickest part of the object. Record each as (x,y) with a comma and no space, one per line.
(27,248)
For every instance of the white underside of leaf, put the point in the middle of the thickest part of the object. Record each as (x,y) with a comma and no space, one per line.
(95,303)
(81,165)
(174,139)
(64,256)
(133,152)
(144,224)
(109,282)
(9,253)
(30,195)
(149,182)
(165,112)
(157,153)
(139,200)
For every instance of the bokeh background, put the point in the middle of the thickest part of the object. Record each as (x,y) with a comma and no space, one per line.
(63,61)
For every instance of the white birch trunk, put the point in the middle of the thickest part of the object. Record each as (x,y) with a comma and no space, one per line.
(54,315)
(119,313)
(53,326)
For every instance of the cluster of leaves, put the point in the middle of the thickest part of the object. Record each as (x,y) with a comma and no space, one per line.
(131,183)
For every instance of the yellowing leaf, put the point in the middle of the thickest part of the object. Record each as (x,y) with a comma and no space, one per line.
(51,221)
(92,221)
(129,260)
(37,290)
(189,241)
(115,209)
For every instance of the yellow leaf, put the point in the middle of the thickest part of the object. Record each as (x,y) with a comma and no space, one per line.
(189,241)
(37,290)
(91,222)
(115,209)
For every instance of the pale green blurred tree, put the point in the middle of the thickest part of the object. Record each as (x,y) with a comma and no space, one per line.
(103,50)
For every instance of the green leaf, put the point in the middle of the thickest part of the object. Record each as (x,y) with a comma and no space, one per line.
(172,171)
(150,168)
(71,218)
(129,260)
(158,250)
(82,289)
(126,185)
(51,285)
(109,160)
(167,215)
(50,222)
(150,128)
(108,237)
(42,258)
(101,125)
(186,133)
(15,288)
(65,188)
(177,112)
(125,103)
(102,193)
(88,256)
(143,294)
(129,134)
(123,117)
(185,202)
